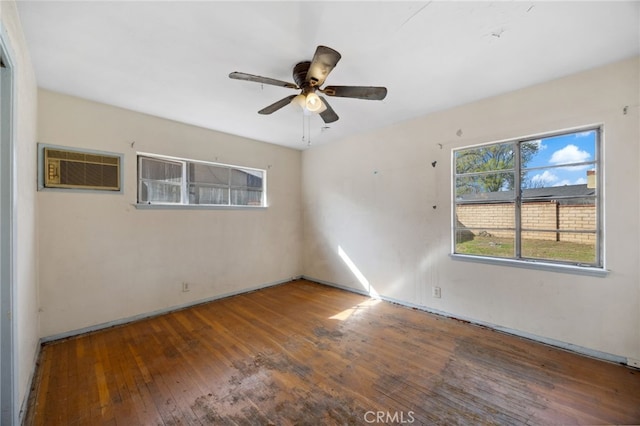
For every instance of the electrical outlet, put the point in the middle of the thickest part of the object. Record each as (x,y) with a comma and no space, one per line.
(436,292)
(185,287)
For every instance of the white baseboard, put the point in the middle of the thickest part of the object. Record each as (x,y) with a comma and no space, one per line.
(633,362)
(540,339)
(30,383)
(163,311)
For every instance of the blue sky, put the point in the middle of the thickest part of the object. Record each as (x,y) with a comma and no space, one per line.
(559,150)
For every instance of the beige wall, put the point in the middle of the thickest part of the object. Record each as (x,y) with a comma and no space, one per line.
(383,209)
(25,272)
(101,259)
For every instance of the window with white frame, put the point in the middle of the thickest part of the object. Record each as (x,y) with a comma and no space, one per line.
(535,199)
(174,181)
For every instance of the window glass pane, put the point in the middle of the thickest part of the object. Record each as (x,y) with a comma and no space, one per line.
(159,192)
(489,215)
(486,158)
(539,215)
(204,173)
(160,181)
(254,180)
(246,178)
(156,169)
(484,242)
(577,216)
(565,181)
(570,247)
(490,186)
(201,194)
(572,214)
(567,149)
(246,197)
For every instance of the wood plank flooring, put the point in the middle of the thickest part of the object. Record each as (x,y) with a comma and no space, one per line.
(306,354)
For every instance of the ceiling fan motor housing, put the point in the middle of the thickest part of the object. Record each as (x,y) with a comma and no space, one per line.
(300,76)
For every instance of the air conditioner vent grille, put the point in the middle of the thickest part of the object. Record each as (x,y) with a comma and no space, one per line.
(81,170)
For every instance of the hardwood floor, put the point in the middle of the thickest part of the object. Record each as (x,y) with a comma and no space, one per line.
(306,354)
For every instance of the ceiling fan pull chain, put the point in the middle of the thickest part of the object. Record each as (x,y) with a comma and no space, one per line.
(306,129)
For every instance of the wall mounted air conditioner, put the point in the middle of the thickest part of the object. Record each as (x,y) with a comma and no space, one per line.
(80,170)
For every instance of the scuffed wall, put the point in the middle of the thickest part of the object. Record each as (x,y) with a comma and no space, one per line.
(379,218)
(102,259)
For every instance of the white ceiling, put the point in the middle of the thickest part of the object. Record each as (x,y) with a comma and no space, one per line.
(172,58)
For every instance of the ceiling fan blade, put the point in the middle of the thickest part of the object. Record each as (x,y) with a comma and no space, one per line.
(358,92)
(276,105)
(258,79)
(328,115)
(324,60)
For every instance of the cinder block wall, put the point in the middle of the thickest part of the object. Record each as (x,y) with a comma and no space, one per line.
(543,215)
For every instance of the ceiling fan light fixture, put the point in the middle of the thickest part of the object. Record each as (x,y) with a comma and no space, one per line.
(313,102)
(299,101)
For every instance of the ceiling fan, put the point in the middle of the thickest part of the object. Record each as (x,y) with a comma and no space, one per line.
(309,76)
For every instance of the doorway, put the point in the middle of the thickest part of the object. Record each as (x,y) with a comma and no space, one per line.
(8,392)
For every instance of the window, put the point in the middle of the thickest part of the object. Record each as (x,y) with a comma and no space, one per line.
(535,199)
(173,181)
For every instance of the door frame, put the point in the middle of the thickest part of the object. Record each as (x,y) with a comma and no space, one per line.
(8,346)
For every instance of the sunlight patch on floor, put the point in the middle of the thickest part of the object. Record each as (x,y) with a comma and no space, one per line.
(347,313)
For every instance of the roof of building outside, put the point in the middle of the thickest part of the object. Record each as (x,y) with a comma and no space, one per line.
(567,194)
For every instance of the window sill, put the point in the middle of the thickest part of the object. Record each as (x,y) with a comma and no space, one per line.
(160,206)
(81,190)
(531,264)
